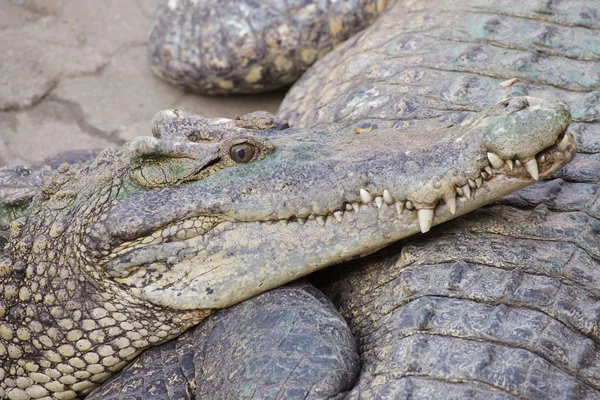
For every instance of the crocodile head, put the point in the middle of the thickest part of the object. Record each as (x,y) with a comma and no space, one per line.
(138,245)
(191,224)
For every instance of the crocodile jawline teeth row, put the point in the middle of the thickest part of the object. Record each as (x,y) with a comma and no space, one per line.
(425,212)
(186,229)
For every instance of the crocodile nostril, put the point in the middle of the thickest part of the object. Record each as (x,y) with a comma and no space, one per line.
(517,104)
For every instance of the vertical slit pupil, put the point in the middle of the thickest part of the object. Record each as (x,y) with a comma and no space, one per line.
(242,153)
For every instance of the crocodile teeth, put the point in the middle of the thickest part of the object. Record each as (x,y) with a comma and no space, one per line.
(488,170)
(564,143)
(467,191)
(365,196)
(509,82)
(399,207)
(532,168)
(543,159)
(301,220)
(510,164)
(320,220)
(460,191)
(379,201)
(518,163)
(356,206)
(450,200)
(284,222)
(425,219)
(472,184)
(409,205)
(339,216)
(495,160)
(479,181)
(348,207)
(387,197)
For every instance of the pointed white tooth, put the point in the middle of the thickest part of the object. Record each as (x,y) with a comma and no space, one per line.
(484,175)
(467,190)
(543,159)
(379,201)
(320,220)
(348,207)
(472,184)
(460,191)
(564,143)
(488,170)
(301,220)
(310,217)
(450,200)
(425,219)
(510,164)
(518,163)
(409,205)
(532,168)
(387,197)
(356,206)
(284,222)
(339,216)
(479,181)
(399,207)
(365,196)
(559,155)
(495,160)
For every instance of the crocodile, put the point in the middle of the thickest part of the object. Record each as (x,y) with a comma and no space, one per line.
(132,248)
(499,304)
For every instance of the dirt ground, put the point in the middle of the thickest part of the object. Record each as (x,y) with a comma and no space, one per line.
(73,75)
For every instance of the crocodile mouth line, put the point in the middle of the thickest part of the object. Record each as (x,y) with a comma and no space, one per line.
(496,168)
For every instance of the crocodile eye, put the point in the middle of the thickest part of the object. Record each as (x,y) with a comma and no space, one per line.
(242,153)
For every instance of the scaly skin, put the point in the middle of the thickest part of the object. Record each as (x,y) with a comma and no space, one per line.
(249,46)
(281,368)
(133,248)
